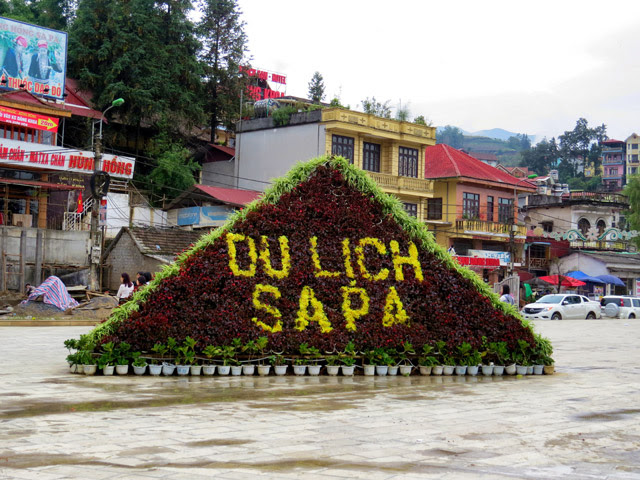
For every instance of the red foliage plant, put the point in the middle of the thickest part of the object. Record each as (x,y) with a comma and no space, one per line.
(219,295)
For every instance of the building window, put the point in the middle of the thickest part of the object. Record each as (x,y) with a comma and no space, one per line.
(634,157)
(434,209)
(584,225)
(505,210)
(470,205)
(547,226)
(411,209)
(371,157)
(634,146)
(408,162)
(601,226)
(342,146)
(634,170)
(490,208)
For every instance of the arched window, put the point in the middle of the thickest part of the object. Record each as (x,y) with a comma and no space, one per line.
(584,225)
(601,226)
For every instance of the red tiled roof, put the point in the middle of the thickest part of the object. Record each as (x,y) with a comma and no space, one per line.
(443,161)
(228,150)
(484,156)
(231,196)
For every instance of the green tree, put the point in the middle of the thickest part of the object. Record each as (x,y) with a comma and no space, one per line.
(335,102)
(316,88)
(175,168)
(632,191)
(580,145)
(372,106)
(143,51)
(451,136)
(542,157)
(420,120)
(17,10)
(224,45)
(403,112)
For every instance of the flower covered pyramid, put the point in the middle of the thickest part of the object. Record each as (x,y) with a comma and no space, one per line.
(324,258)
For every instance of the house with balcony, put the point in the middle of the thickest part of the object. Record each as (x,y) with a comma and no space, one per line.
(390,151)
(632,149)
(472,208)
(613,165)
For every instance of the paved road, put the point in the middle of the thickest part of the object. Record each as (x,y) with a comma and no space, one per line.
(583,422)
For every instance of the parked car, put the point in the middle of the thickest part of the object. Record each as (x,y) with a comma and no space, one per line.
(562,306)
(620,306)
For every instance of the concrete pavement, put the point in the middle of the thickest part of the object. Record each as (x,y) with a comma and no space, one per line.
(583,422)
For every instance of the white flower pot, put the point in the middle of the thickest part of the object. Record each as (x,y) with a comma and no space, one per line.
(90,369)
(347,370)
(299,369)
(472,370)
(393,371)
(369,370)
(314,370)
(195,370)
(182,370)
(448,369)
(122,369)
(248,370)
(427,370)
(208,370)
(108,370)
(333,370)
(498,370)
(382,370)
(280,369)
(263,370)
(529,369)
(405,370)
(437,370)
(224,370)
(168,369)
(510,369)
(461,369)
(139,370)
(236,370)
(538,369)
(487,370)
(155,370)
(521,370)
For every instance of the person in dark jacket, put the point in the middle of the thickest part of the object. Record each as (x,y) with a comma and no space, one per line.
(13,61)
(41,65)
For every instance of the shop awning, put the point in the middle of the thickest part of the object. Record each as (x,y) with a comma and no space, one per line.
(37,184)
(611,279)
(580,275)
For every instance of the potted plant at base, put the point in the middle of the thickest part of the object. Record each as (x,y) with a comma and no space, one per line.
(190,356)
(392,362)
(541,356)
(236,366)
(279,364)
(139,363)
(166,368)
(106,362)
(473,360)
(122,355)
(368,365)
(500,354)
(405,362)
(348,359)
(428,362)
(464,350)
(89,363)
(299,367)
(448,362)
(72,358)
(250,347)
(381,361)
(182,368)
(333,365)
(210,351)
(263,368)
(313,367)
(228,353)
(522,361)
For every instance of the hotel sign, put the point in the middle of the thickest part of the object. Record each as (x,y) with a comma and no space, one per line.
(28,119)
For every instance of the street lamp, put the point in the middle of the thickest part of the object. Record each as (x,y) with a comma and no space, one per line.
(96,241)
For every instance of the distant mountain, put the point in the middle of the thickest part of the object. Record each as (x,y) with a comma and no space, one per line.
(498,133)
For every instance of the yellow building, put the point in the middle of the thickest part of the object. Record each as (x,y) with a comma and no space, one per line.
(391,151)
(590,170)
(631,157)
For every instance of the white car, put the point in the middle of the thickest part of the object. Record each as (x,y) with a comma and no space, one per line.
(562,306)
(619,306)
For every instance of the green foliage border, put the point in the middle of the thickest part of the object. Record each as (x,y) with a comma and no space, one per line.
(299,173)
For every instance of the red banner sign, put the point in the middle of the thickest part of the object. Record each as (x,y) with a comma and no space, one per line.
(28,119)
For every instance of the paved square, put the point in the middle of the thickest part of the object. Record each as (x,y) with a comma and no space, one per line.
(583,422)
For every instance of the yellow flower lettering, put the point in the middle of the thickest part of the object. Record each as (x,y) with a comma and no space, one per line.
(346,254)
(232,239)
(350,314)
(315,258)
(392,303)
(257,303)
(308,299)
(411,259)
(382,250)
(265,256)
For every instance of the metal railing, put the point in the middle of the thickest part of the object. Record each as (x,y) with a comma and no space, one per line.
(396,182)
(473,225)
(73,220)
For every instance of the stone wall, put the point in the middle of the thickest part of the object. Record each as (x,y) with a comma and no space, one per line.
(126,257)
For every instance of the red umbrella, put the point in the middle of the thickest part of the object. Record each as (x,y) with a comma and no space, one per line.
(563,280)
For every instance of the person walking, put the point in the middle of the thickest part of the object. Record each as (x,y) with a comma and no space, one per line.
(506,295)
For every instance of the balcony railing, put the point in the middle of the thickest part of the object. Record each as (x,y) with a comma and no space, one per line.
(538,262)
(378,123)
(397,183)
(482,226)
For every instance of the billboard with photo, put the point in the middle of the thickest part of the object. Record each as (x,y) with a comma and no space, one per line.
(33,58)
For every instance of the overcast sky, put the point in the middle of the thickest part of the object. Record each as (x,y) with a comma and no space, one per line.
(527,67)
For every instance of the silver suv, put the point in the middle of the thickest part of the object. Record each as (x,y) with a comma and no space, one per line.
(620,306)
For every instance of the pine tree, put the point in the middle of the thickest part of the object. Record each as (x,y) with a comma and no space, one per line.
(316,88)
(221,31)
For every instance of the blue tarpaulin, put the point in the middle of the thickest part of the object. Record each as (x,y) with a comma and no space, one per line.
(612,279)
(579,275)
